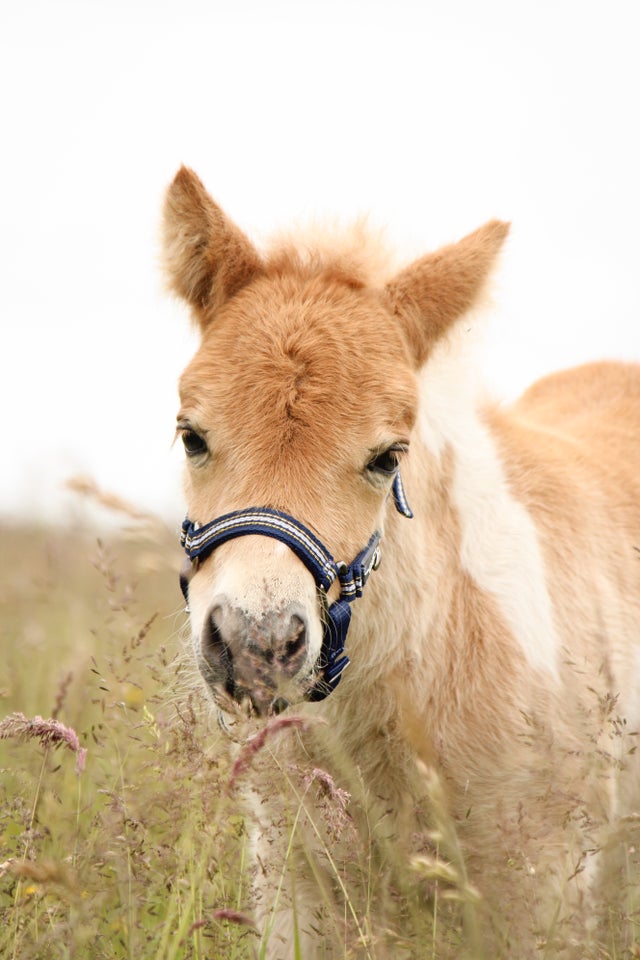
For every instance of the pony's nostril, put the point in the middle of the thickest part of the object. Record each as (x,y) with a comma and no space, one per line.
(216,651)
(297,638)
(292,647)
(212,640)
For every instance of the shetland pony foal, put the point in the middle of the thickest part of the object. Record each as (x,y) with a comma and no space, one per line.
(498,643)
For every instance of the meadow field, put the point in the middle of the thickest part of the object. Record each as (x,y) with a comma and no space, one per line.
(129,842)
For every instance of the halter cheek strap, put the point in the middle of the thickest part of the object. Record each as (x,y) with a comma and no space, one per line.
(199,542)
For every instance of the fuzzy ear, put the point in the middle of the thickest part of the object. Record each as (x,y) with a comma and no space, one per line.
(207,258)
(433,292)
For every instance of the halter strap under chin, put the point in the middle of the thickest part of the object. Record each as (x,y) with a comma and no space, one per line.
(198,542)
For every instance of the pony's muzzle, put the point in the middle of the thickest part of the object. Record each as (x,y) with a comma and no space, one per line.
(253,659)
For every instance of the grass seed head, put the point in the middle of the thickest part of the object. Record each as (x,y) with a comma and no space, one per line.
(49,732)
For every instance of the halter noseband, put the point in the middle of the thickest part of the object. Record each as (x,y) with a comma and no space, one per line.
(199,542)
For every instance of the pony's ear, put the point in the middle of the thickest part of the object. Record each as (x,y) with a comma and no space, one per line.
(432,293)
(207,258)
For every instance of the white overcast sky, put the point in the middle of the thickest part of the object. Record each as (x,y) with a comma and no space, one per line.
(431,116)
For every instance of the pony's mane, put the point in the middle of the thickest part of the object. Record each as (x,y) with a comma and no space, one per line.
(357,255)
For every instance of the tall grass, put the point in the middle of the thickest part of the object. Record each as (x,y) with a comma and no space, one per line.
(138,850)
(136,855)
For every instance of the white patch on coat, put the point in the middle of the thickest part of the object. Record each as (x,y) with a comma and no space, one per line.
(500,547)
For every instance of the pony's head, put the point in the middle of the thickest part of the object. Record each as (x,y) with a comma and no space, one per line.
(302,398)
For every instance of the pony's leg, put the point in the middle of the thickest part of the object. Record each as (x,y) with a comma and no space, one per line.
(295,911)
(299,931)
(294,902)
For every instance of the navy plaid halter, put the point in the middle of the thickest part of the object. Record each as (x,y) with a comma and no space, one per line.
(199,542)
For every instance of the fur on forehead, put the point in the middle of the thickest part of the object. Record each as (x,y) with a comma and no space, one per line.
(306,341)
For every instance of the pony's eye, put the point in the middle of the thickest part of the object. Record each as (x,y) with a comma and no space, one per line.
(387,461)
(194,445)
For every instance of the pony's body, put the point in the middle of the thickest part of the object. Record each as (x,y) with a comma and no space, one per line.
(499,643)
